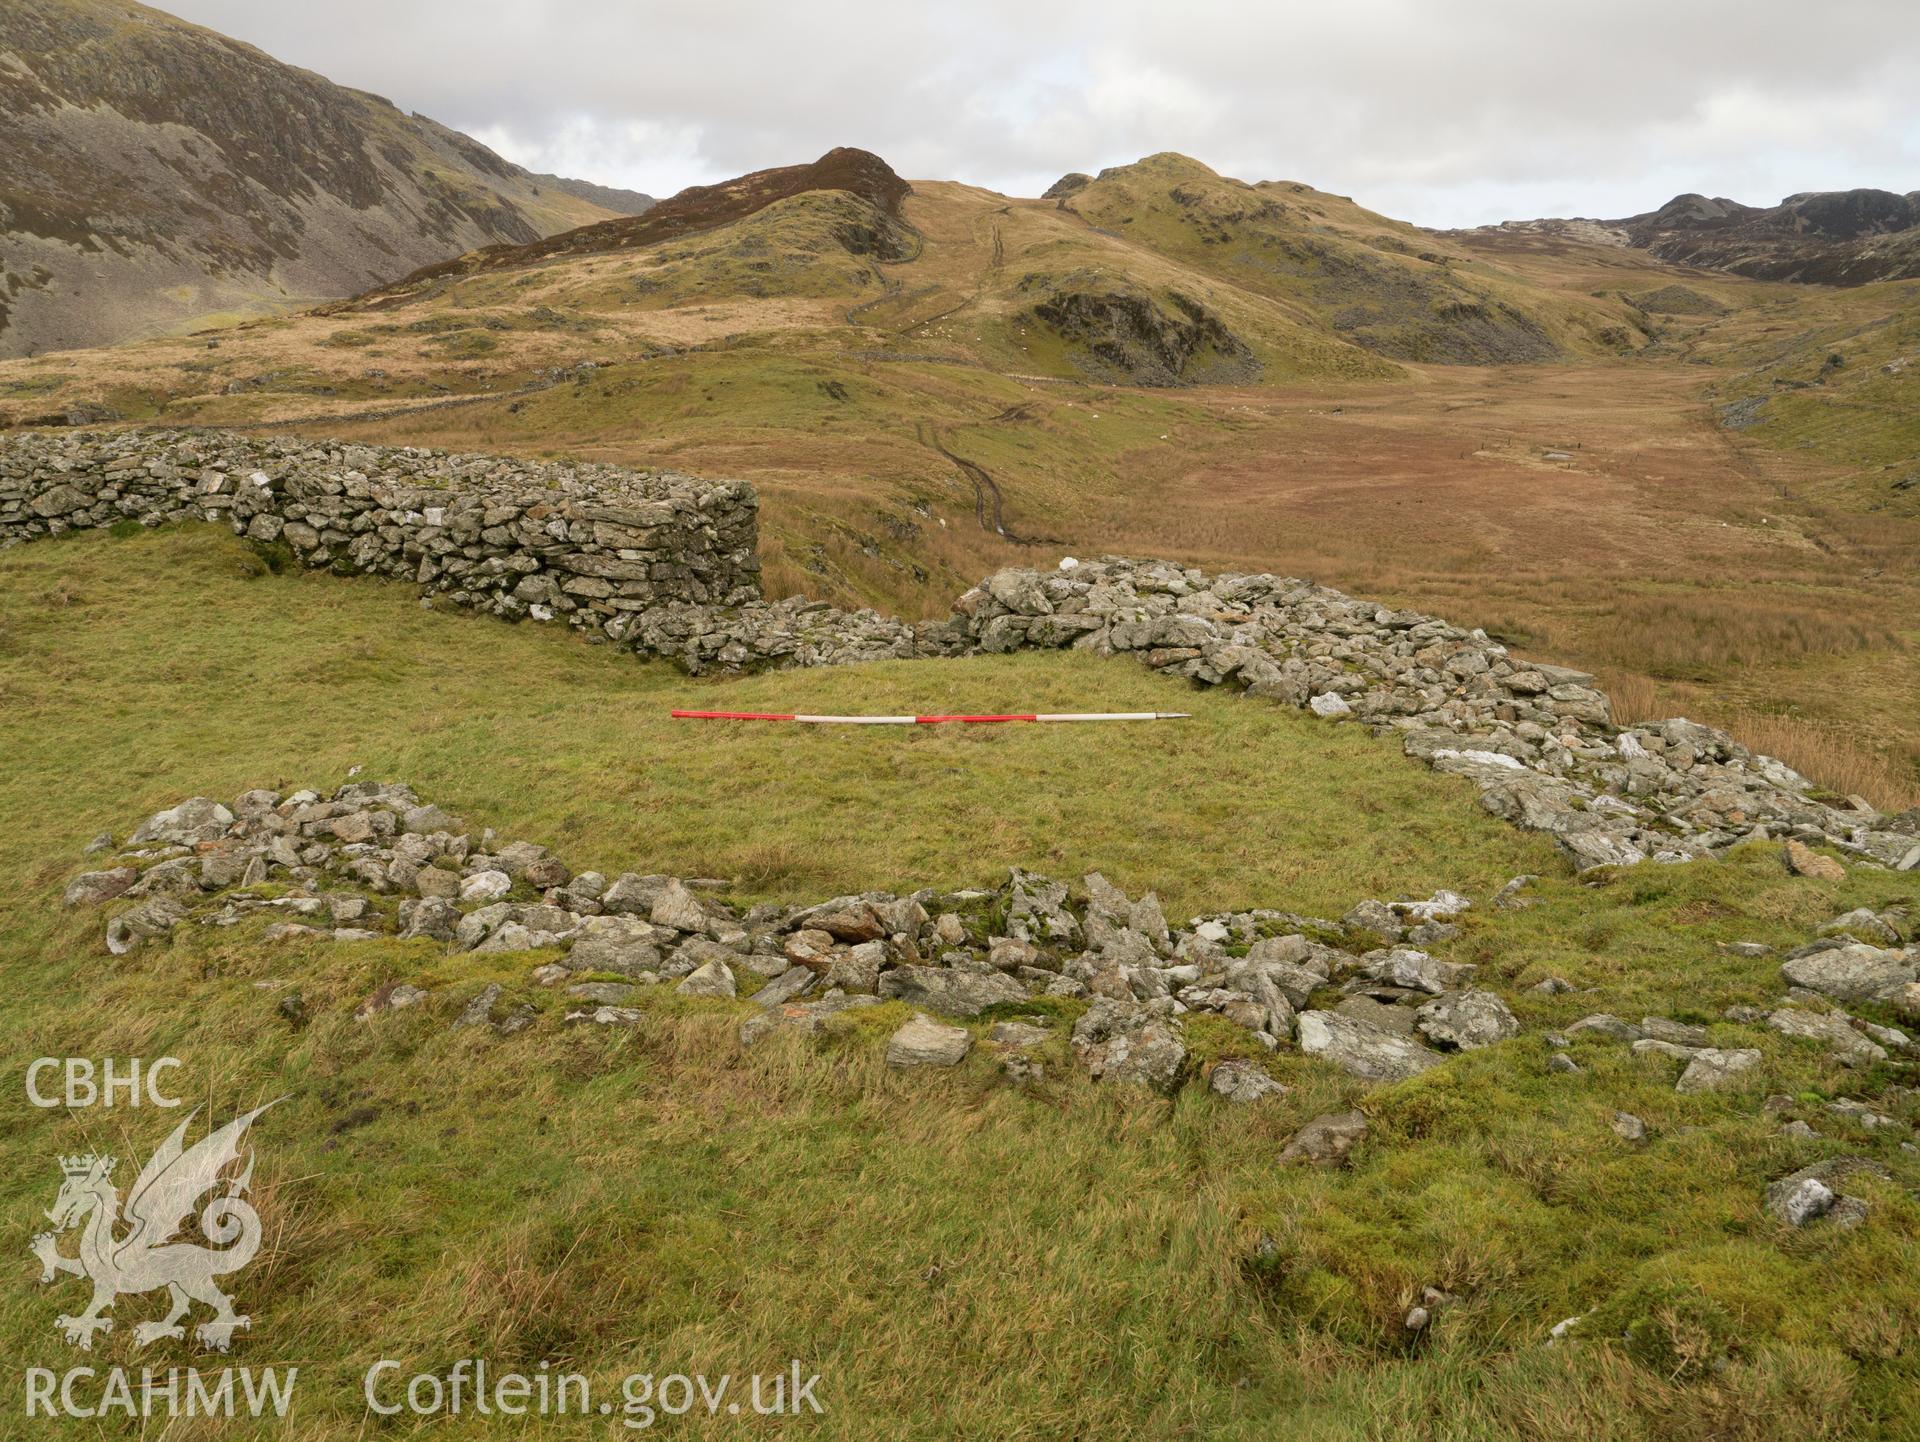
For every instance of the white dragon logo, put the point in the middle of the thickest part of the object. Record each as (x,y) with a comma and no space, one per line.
(164,1195)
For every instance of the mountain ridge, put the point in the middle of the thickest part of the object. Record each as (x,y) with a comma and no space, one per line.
(1820,237)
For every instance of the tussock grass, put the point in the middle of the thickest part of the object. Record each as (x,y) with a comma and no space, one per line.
(1699,635)
(956,1258)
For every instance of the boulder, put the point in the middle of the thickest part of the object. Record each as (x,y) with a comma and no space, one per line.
(1863,924)
(809,947)
(484,886)
(1854,973)
(1466,1020)
(785,987)
(1017,1034)
(1605,1024)
(154,917)
(678,908)
(714,979)
(857,968)
(606,1016)
(630,894)
(1242,1082)
(695,952)
(1361,1049)
(479,1011)
(848,920)
(949,991)
(926,1042)
(1802,1202)
(90,888)
(515,936)
(1282,985)
(1326,1140)
(429,916)
(621,943)
(1813,1192)
(1843,1043)
(1121,1041)
(1803,860)
(426,820)
(436,881)
(1662,1028)
(1714,1069)
(1397,1019)
(194,820)
(1415,970)
(390,998)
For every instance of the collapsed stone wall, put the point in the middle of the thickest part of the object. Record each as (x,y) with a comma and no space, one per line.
(586,544)
(1539,740)
(375,861)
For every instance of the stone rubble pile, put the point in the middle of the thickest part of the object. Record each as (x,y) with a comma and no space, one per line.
(374,860)
(1538,740)
(1362,992)
(1835,968)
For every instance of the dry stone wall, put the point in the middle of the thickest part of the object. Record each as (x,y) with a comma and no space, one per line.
(515,538)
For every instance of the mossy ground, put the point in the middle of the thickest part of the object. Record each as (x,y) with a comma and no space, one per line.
(955,1257)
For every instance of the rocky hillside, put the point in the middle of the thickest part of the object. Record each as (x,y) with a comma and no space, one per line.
(156,174)
(607,197)
(1824,237)
(1375,283)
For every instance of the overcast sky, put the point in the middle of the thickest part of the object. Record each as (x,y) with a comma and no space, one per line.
(1447,112)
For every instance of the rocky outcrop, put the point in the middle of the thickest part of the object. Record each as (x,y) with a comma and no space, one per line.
(1119,331)
(1071,183)
(1830,237)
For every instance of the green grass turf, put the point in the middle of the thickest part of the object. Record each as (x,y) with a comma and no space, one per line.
(955,1257)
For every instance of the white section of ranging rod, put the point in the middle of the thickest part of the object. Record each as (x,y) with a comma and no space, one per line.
(1030,716)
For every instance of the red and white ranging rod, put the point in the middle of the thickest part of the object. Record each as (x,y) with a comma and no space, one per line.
(928,720)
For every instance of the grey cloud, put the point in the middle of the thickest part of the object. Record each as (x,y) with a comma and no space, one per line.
(1441,113)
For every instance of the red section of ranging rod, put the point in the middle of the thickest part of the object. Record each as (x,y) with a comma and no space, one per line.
(927,720)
